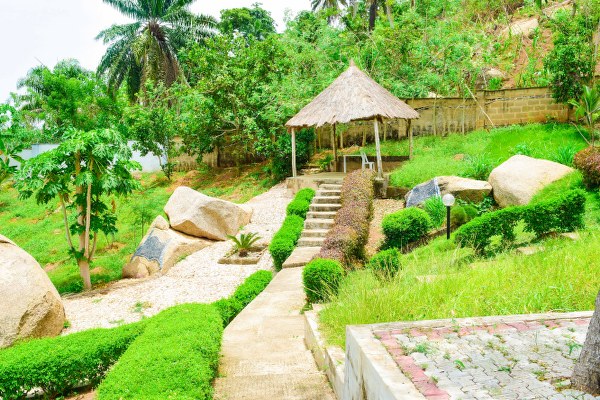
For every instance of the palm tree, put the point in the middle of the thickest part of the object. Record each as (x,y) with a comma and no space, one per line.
(147,48)
(588,109)
(373,6)
(323,4)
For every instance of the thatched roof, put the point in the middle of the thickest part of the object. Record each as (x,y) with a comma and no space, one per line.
(353,96)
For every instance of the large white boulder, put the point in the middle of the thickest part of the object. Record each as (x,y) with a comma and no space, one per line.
(30,305)
(196,214)
(161,249)
(464,188)
(524,27)
(518,179)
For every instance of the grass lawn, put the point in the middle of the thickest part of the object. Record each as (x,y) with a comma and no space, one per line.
(440,280)
(39,229)
(437,156)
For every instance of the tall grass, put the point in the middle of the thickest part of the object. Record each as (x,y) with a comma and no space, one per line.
(435,156)
(565,277)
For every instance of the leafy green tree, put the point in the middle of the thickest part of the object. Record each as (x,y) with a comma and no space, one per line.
(148,48)
(67,96)
(588,109)
(153,124)
(83,173)
(571,61)
(251,23)
(13,138)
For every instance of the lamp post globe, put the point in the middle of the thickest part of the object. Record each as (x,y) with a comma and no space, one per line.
(448,201)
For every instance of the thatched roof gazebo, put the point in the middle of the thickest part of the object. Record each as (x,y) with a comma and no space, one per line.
(353,96)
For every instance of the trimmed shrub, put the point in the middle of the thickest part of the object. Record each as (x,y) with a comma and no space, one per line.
(588,162)
(479,232)
(301,203)
(230,307)
(434,206)
(561,214)
(285,240)
(346,240)
(176,357)
(386,262)
(405,227)
(57,365)
(460,215)
(321,279)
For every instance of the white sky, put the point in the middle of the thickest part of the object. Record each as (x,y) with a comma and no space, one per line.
(52,30)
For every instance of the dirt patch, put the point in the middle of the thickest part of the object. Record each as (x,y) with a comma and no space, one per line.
(114,247)
(381,208)
(51,266)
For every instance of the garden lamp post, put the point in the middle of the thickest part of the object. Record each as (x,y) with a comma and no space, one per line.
(448,201)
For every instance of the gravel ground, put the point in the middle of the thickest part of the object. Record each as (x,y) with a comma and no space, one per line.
(197,279)
(381,208)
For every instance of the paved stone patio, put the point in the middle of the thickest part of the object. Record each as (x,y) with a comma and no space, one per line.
(514,359)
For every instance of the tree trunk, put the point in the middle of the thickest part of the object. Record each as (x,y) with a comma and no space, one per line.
(373,14)
(84,271)
(390,16)
(586,375)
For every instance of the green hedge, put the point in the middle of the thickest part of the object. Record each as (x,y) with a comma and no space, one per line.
(562,214)
(285,239)
(56,365)
(321,278)
(301,203)
(243,295)
(176,357)
(287,236)
(405,226)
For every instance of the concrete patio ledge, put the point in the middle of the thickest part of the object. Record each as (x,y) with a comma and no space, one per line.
(329,359)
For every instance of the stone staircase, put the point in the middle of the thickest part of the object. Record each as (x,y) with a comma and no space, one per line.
(319,220)
(320,217)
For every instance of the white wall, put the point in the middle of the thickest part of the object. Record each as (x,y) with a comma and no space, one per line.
(149,162)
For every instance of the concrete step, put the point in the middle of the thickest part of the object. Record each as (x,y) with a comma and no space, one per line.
(317,223)
(321,233)
(321,207)
(329,186)
(311,242)
(330,181)
(328,193)
(301,256)
(321,214)
(326,200)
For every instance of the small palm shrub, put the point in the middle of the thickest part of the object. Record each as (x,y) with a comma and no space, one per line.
(588,162)
(245,242)
(478,167)
(434,206)
(386,262)
(405,227)
(322,279)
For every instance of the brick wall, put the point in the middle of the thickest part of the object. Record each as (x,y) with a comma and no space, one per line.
(456,115)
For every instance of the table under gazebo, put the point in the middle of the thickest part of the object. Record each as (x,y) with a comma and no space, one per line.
(353,96)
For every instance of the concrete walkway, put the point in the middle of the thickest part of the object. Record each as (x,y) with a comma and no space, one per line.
(263,353)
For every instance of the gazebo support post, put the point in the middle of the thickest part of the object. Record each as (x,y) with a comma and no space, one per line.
(334,142)
(294,173)
(378,148)
(409,133)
